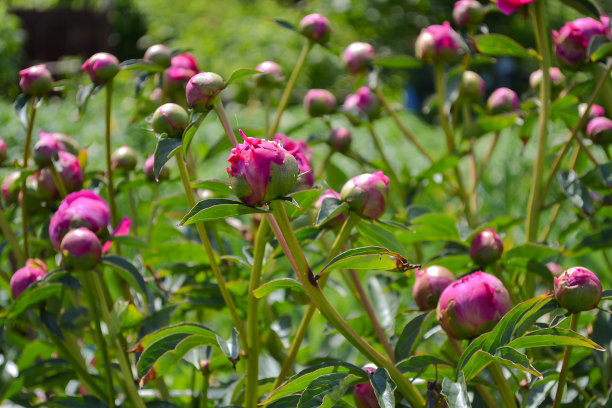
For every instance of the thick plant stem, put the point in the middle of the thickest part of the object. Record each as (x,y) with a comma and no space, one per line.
(8,234)
(535,197)
(26,157)
(402,127)
(107,143)
(225,123)
(503,385)
(289,88)
(481,389)
(252,315)
(313,289)
(567,354)
(209,251)
(339,242)
(59,183)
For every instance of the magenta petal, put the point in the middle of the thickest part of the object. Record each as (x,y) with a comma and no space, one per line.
(122,229)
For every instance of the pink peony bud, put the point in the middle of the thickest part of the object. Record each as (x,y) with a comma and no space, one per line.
(367,194)
(439,44)
(2,150)
(468,13)
(473,85)
(34,270)
(270,76)
(261,170)
(316,28)
(340,139)
(10,187)
(578,289)
(203,89)
(556,78)
(595,111)
(170,119)
(319,102)
(164,174)
(572,40)
(600,130)
(35,80)
(510,6)
(47,148)
(502,100)
(337,220)
(472,305)
(158,54)
(101,67)
(185,60)
(429,284)
(364,394)
(81,249)
(364,103)
(81,209)
(486,247)
(70,172)
(554,268)
(124,159)
(303,154)
(358,57)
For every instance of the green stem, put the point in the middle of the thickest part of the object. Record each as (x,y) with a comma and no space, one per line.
(389,169)
(266,113)
(289,88)
(481,389)
(99,337)
(133,211)
(26,157)
(252,315)
(152,213)
(205,386)
(209,251)
(59,183)
(225,123)
(8,234)
(405,131)
(566,360)
(107,142)
(503,385)
(313,289)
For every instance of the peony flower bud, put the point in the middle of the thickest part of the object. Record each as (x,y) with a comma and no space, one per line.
(34,270)
(363,104)
(486,247)
(578,289)
(101,67)
(261,170)
(185,60)
(429,284)
(595,111)
(340,140)
(164,174)
(32,194)
(439,44)
(358,57)
(316,28)
(303,154)
(337,220)
(473,85)
(319,102)
(35,80)
(270,76)
(81,249)
(124,159)
(556,78)
(510,6)
(472,305)
(81,209)
(554,268)
(600,130)
(170,119)
(363,394)
(572,40)
(47,148)
(70,172)
(158,54)
(502,100)
(2,151)
(203,89)
(10,187)
(367,194)
(468,13)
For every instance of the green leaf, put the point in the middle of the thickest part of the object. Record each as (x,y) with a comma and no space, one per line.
(31,296)
(412,331)
(398,62)
(505,355)
(576,191)
(498,45)
(384,387)
(82,97)
(553,337)
(326,390)
(439,167)
(240,73)
(195,120)
(599,178)
(214,185)
(140,65)
(606,294)
(585,7)
(599,240)
(305,199)
(456,392)
(565,109)
(372,257)
(217,209)
(128,272)
(600,48)
(432,227)
(374,234)
(131,241)
(181,328)
(488,124)
(531,251)
(276,284)
(419,362)
(165,149)
(330,208)
(285,24)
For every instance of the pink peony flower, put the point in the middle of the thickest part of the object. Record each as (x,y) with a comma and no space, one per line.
(203,89)
(35,80)
(270,76)
(429,284)
(358,57)
(486,247)
(316,28)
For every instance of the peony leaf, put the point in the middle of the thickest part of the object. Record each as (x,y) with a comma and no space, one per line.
(498,45)
(371,257)
(165,149)
(217,209)
(330,208)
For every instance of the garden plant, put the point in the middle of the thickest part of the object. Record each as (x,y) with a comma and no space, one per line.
(311,271)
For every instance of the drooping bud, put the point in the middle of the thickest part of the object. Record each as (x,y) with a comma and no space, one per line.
(10,187)
(367,194)
(363,104)
(124,159)
(439,44)
(164,174)
(34,270)
(429,284)
(510,6)
(316,28)
(35,80)
(319,102)
(578,289)
(502,100)
(81,249)
(261,170)
(70,172)
(358,57)
(473,85)
(572,40)
(486,247)
(467,13)
(303,154)
(340,139)
(472,305)
(170,119)
(203,89)
(158,54)
(600,130)
(101,67)
(364,394)
(337,220)
(556,78)
(270,76)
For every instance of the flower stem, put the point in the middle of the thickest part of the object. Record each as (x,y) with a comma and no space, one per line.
(209,251)
(317,297)
(503,385)
(59,183)
(565,365)
(107,142)
(9,235)
(26,157)
(225,122)
(267,98)
(481,389)
(153,210)
(252,315)
(289,88)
